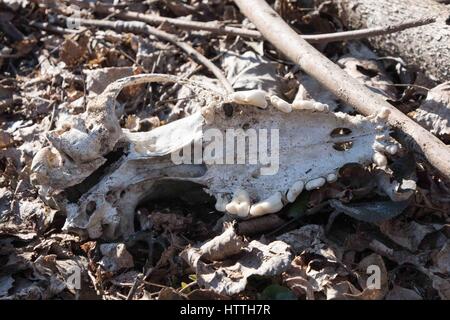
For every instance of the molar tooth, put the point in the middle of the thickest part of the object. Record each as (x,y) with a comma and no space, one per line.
(384,113)
(332,177)
(303,105)
(240,204)
(250,97)
(392,149)
(378,147)
(270,205)
(380,137)
(315,183)
(321,107)
(379,159)
(295,190)
(280,104)
(379,128)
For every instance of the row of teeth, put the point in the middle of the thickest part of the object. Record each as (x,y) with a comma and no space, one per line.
(383,144)
(241,206)
(259,98)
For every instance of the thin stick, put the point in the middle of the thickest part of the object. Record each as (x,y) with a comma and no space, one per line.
(157,20)
(140,27)
(55,29)
(216,28)
(366,33)
(340,83)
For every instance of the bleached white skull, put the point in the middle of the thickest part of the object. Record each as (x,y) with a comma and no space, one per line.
(284,149)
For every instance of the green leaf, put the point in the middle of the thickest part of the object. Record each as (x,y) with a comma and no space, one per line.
(276,292)
(193,277)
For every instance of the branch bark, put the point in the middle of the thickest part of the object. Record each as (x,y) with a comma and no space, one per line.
(333,78)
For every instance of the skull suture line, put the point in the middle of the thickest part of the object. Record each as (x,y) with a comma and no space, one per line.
(313,144)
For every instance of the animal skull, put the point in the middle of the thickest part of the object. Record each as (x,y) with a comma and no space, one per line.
(308,146)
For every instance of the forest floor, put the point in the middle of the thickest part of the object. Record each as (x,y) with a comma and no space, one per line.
(50,67)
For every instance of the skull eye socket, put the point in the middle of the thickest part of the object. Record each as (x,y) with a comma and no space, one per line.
(340,132)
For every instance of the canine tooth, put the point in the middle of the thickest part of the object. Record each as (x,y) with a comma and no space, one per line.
(392,149)
(270,205)
(321,107)
(251,97)
(315,183)
(240,204)
(379,159)
(295,190)
(221,202)
(280,104)
(331,178)
(384,113)
(303,105)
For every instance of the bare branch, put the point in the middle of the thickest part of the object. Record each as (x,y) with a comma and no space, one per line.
(348,89)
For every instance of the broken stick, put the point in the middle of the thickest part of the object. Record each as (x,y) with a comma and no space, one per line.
(333,78)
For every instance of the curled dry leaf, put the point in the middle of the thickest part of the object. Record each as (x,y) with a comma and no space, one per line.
(230,276)
(373,278)
(318,269)
(314,276)
(72,52)
(224,245)
(308,237)
(98,79)
(115,257)
(406,234)
(249,71)
(434,112)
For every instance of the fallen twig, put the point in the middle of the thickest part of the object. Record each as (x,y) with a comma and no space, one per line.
(141,27)
(216,28)
(55,29)
(365,33)
(348,89)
